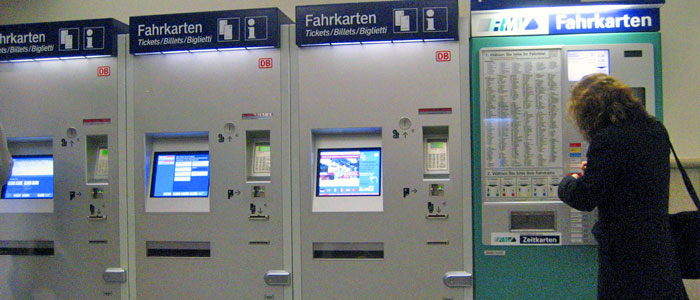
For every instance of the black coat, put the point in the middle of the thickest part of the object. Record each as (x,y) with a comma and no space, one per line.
(627,179)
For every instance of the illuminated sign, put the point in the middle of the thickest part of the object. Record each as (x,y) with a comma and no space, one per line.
(500,4)
(614,21)
(251,28)
(377,22)
(563,21)
(54,40)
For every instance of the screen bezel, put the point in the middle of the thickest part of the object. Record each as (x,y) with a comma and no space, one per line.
(53,176)
(154,169)
(361,149)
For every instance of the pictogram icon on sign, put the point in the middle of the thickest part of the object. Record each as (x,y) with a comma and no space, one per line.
(94,38)
(229,29)
(256,28)
(406,20)
(69,39)
(435,19)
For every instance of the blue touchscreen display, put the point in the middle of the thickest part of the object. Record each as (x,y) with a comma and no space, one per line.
(180,174)
(31,178)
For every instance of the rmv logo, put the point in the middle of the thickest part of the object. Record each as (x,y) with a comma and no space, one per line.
(506,239)
(513,24)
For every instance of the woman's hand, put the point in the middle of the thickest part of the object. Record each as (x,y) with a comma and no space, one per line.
(583,169)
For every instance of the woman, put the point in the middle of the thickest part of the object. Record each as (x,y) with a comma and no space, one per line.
(627,178)
(5,158)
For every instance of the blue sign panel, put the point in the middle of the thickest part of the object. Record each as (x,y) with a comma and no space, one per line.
(60,39)
(500,4)
(206,30)
(612,21)
(569,21)
(377,21)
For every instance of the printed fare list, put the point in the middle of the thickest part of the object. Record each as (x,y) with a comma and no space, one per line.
(522,109)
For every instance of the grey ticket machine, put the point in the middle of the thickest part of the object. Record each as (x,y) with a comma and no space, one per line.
(62,106)
(379,149)
(210,163)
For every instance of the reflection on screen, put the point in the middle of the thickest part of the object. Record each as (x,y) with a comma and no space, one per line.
(349,172)
(180,174)
(585,62)
(31,178)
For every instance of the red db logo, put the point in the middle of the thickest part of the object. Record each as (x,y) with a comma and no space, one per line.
(265,63)
(443,56)
(103,71)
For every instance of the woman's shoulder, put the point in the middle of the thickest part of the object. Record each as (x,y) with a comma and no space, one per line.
(643,128)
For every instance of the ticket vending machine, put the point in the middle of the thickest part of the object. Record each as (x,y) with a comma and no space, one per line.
(379,118)
(209,100)
(525,144)
(62,106)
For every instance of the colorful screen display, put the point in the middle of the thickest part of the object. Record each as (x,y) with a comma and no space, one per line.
(31,178)
(349,172)
(180,174)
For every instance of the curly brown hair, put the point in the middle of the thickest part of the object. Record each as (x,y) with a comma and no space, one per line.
(598,101)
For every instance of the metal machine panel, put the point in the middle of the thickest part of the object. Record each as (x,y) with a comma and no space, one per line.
(70,110)
(225,104)
(401,243)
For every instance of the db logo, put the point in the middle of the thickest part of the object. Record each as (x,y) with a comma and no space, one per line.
(443,56)
(103,71)
(265,63)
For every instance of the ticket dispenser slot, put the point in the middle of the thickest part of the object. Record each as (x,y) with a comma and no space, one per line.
(258,155)
(348,250)
(533,221)
(178,249)
(97,160)
(436,152)
(27,248)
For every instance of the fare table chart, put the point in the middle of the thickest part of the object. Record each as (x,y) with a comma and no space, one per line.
(521,108)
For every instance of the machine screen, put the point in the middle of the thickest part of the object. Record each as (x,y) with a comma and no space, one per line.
(180,174)
(584,62)
(31,178)
(348,172)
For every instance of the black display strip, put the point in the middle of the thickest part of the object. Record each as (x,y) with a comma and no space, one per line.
(348,250)
(634,53)
(27,248)
(178,249)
